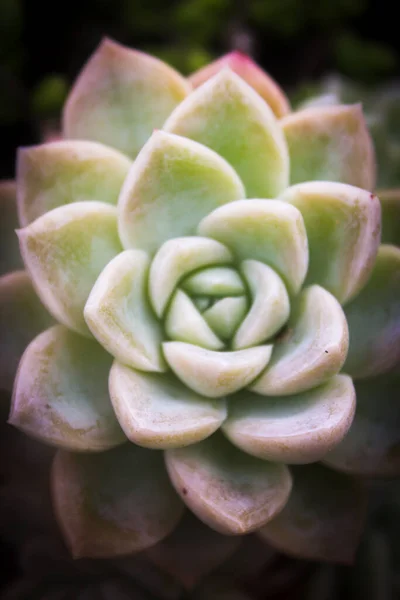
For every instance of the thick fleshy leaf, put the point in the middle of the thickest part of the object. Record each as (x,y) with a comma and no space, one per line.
(175,259)
(330,143)
(230,491)
(192,551)
(293,429)
(343,229)
(172,185)
(117,312)
(371,447)
(64,251)
(374,319)
(22,317)
(214,281)
(323,518)
(390,203)
(158,411)
(10,258)
(269,231)
(225,315)
(120,96)
(270,308)
(51,175)
(227,115)
(312,349)
(248,70)
(215,374)
(183,322)
(114,502)
(61,393)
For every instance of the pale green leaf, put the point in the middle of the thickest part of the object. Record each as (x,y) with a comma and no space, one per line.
(310,350)
(172,185)
(293,429)
(177,258)
(58,173)
(158,411)
(343,230)
(270,231)
(330,143)
(118,314)
(230,491)
(215,374)
(61,393)
(120,96)
(184,323)
(65,251)
(248,70)
(228,116)
(270,307)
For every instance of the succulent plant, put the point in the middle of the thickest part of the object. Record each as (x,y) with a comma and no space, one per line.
(214,269)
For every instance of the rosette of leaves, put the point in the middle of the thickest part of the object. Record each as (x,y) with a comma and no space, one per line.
(206,256)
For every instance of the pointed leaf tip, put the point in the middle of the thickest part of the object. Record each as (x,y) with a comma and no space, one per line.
(172,185)
(227,115)
(230,491)
(244,66)
(120,96)
(158,411)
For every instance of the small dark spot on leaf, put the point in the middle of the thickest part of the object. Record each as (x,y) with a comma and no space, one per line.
(326,352)
(184,491)
(372,196)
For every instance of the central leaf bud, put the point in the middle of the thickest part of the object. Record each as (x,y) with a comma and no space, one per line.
(207,308)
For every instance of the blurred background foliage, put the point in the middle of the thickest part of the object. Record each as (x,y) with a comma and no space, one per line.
(43,45)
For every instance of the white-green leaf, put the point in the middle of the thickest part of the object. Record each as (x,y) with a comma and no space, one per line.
(270,307)
(312,349)
(22,317)
(172,185)
(330,143)
(227,115)
(215,374)
(230,491)
(225,315)
(114,502)
(58,173)
(343,229)
(158,411)
(214,281)
(120,96)
(248,70)
(61,393)
(65,251)
(177,258)
(269,231)
(374,319)
(118,314)
(292,429)
(184,323)
(323,518)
